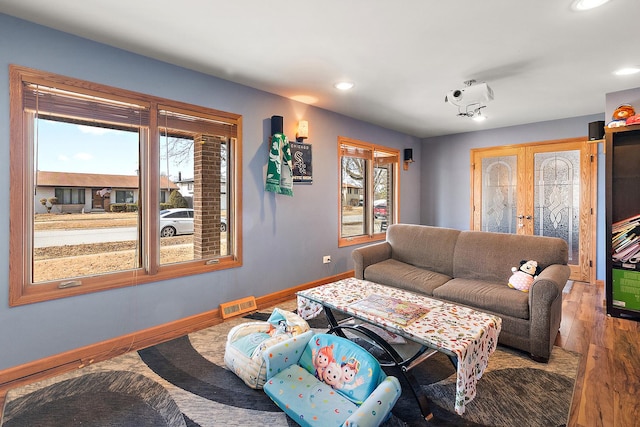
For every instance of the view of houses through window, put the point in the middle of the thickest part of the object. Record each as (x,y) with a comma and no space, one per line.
(194,159)
(116,184)
(68,152)
(368,182)
(85,217)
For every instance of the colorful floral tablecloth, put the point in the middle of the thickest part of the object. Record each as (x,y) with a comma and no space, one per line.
(467,334)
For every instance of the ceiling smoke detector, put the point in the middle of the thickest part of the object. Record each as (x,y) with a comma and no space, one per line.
(470,99)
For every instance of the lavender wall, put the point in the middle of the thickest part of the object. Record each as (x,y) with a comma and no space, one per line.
(301,229)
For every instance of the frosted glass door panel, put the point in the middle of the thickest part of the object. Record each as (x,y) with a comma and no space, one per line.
(557,198)
(499,195)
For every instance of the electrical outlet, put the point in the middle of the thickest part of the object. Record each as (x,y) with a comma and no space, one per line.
(326,259)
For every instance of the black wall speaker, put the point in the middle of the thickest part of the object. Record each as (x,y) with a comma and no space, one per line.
(596,130)
(408,154)
(276,124)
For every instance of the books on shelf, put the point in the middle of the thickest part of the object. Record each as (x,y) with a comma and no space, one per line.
(625,240)
(625,223)
(627,253)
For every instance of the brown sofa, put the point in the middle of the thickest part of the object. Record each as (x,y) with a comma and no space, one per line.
(472,268)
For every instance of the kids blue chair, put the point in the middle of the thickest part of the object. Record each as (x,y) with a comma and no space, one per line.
(325,380)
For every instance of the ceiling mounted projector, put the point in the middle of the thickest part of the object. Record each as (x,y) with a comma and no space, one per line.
(469,95)
(471,99)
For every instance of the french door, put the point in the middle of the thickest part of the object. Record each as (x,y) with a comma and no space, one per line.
(545,189)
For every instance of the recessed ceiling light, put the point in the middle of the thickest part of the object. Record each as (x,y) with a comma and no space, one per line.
(587,4)
(343,85)
(626,71)
(479,118)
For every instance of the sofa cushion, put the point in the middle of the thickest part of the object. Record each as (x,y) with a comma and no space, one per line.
(395,273)
(423,246)
(489,256)
(495,297)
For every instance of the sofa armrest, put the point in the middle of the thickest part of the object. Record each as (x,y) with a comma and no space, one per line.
(285,353)
(370,254)
(549,284)
(545,308)
(377,407)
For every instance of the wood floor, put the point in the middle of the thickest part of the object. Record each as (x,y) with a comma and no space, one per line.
(608,383)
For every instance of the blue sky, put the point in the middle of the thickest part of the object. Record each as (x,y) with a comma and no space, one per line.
(65,147)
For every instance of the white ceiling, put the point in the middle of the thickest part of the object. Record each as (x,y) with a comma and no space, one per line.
(543,60)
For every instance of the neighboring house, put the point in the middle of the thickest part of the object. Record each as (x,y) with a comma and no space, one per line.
(352,192)
(87,192)
(186,186)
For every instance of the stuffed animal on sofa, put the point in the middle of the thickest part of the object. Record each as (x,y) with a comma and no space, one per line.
(523,277)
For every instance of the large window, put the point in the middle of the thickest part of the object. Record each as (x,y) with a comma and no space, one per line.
(116,156)
(368,190)
(69,196)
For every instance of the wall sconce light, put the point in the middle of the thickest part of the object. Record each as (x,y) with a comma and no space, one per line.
(408,157)
(303,130)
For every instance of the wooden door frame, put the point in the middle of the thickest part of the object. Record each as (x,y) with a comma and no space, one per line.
(476,183)
(588,196)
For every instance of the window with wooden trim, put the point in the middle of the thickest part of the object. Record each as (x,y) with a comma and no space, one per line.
(368,190)
(93,166)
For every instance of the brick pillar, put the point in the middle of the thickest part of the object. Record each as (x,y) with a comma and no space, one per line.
(206,197)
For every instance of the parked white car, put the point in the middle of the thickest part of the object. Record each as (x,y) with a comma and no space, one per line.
(174,222)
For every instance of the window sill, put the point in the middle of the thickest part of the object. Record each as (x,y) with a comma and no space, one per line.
(358,240)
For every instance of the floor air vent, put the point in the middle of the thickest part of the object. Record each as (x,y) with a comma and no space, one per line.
(239,306)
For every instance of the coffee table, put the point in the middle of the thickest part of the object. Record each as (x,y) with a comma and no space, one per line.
(468,337)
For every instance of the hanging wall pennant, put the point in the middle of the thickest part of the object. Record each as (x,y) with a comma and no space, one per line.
(301,159)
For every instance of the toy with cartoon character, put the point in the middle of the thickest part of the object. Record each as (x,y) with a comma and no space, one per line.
(621,116)
(350,369)
(343,376)
(332,375)
(523,277)
(322,360)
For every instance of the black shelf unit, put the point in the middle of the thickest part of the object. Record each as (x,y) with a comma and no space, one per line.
(623,221)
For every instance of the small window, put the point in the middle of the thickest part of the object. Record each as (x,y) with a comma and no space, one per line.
(124,196)
(82,147)
(368,190)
